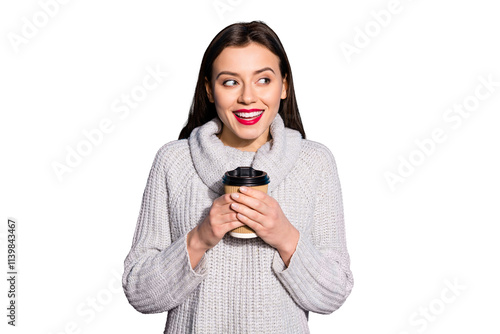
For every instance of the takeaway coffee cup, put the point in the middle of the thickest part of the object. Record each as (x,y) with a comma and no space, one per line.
(248,177)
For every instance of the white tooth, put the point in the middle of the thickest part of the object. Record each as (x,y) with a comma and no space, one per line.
(249,114)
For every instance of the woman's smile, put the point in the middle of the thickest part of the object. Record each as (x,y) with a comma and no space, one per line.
(248,116)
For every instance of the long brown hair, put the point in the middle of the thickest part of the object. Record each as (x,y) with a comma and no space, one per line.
(239,35)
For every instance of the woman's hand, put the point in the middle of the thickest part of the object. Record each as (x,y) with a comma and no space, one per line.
(220,220)
(262,213)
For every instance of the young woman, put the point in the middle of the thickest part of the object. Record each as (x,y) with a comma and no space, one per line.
(244,113)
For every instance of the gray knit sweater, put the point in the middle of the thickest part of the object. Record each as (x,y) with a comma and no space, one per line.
(240,285)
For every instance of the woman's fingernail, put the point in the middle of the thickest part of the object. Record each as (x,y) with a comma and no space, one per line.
(234,206)
(243,189)
(235,195)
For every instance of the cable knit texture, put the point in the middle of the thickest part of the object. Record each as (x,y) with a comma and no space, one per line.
(240,285)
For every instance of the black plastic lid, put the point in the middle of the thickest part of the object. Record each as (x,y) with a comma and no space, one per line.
(245,176)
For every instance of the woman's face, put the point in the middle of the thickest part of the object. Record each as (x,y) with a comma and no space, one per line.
(246,88)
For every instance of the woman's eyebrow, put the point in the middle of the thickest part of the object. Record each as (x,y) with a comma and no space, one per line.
(235,74)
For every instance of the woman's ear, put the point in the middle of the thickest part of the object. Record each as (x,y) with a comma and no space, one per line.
(209,90)
(284,88)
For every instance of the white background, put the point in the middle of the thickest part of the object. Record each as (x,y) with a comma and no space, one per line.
(407,244)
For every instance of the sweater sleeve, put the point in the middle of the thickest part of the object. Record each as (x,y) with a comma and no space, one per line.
(318,276)
(157,272)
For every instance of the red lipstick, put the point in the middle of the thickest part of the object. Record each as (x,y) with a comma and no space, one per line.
(248,116)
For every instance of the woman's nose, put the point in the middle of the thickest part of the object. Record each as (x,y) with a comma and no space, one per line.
(247,95)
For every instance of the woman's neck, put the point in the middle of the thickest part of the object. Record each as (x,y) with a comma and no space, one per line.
(250,145)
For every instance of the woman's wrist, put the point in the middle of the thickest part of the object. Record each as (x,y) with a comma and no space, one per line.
(288,248)
(195,247)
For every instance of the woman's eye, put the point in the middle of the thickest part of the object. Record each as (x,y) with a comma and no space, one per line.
(264,80)
(229,83)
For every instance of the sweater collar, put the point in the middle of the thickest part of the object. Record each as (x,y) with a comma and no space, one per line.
(212,159)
